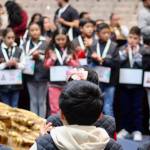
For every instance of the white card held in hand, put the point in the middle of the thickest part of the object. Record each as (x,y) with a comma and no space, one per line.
(146,79)
(29,67)
(104,74)
(59,73)
(11,77)
(131,76)
(83,62)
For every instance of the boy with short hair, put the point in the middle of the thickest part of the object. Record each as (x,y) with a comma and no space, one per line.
(131,95)
(104,54)
(81,104)
(85,40)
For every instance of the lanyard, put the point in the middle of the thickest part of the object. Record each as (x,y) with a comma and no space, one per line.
(30,51)
(7,58)
(81,42)
(130,57)
(106,49)
(61,58)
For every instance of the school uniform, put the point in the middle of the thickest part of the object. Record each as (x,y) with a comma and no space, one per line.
(37,83)
(81,53)
(131,96)
(111,59)
(9,94)
(55,88)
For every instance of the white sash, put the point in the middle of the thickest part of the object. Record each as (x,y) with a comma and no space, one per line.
(106,49)
(30,51)
(130,57)
(59,57)
(81,42)
(6,55)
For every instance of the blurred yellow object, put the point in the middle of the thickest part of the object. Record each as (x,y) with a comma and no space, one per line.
(18,128)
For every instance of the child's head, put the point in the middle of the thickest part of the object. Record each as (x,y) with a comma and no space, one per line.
(35,31)
(36,18)
(87,27)
(8,37)
(134,36)
(46,23)
(81,103)
(103,32)
(60,39)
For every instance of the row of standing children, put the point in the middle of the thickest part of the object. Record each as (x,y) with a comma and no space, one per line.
(95,45)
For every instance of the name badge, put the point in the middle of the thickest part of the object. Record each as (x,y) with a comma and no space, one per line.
(59,73)
(83,62)
(146,79)
(104,73)
(131,76)
(29,67)
(11,77)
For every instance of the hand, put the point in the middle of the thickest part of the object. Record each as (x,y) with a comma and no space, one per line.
(101,60)
(46,128)
(88,42)
(95,56)
(36,54)
(12,63)
(52,55)
(61,20)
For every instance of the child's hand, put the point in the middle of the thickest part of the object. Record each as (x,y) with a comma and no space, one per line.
(12,63)
(46,128)
(52,55)
(36,54)
(95,56)
(88,42)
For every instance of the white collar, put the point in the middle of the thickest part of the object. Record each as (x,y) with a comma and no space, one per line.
(6,47)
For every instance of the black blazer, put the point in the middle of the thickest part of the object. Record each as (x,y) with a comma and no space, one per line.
(6,88)
(111,60)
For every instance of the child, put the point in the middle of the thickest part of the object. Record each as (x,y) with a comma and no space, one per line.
(84,41)
(48,27)
(132,95)
(10,58)
(78,131)
(36,80)
(104,54)
(59,54)
(83,73)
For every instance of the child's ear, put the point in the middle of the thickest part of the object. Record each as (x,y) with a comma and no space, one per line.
(62,115)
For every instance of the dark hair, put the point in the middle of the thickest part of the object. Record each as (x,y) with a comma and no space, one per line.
(6,31)
(14,13)
(83,22)
(146,38)
(33,17)
(102,26)
(36,23)
(81,16)
(53,43)
(81,102)
(135,30)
